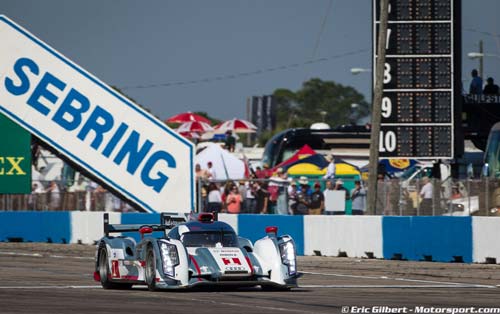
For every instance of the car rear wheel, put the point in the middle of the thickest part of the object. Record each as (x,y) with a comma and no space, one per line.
(105,274)
(150,270)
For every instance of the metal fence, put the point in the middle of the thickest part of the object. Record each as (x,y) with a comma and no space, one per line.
(476,197)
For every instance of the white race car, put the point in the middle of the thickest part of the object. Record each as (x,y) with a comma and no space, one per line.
(202,251)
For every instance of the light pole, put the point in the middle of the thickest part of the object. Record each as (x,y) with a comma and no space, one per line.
(480,56)
(356,71)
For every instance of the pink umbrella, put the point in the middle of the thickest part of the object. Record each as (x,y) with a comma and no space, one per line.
(237,126)
(187,117)
(194,126)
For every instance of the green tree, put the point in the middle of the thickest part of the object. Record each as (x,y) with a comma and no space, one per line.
(319,101)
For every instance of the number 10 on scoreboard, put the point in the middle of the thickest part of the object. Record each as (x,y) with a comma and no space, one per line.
(417,110)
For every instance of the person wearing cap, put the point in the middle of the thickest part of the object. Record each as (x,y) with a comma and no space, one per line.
(330,170)
(339,186)
(358,197)
(303,197)
(317,204)
(277,190)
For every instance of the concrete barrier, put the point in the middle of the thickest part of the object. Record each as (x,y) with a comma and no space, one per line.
(354,236)
(441,239)
(486,239)
(35,226)
(253,227)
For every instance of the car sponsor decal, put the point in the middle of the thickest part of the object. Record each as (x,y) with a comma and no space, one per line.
(230,260)
(117,254)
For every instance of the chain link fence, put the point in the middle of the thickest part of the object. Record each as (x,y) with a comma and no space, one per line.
(472,197)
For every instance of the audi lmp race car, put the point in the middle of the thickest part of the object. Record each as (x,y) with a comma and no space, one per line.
(201,251)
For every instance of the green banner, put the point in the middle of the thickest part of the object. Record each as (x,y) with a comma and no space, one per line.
(15,158)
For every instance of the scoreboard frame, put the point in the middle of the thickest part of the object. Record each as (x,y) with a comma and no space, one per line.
(422,79)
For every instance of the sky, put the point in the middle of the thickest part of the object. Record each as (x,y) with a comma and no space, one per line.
(176,56)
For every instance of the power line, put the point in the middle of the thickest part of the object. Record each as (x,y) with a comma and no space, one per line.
(246,74)
(472,30)
(322,28)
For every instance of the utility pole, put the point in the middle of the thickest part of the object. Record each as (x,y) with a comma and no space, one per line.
(376,108)
(481,58)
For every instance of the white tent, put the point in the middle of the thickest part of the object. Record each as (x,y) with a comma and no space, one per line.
(225,164)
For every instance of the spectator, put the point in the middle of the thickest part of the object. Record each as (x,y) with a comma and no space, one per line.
(34,198)
(250,202)
(230,141)
(382,203)
(455,192)
(330,203)
(242,189)
(225,190)
(476,85)
(491,88)
(79,190)
(317,204)
(261,198)
(233,201)
(202,174)
(54,196)
(259,173)
(426,195)
(358,197)
(89,195)
(99,196)
(339,186)
(214,198)
(277,189)
(212,175)
(330,170)
(303,198)
(292,196)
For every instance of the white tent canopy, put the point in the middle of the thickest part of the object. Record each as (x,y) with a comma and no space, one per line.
(225,164)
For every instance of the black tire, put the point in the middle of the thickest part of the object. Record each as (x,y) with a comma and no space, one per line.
(150,271)
(104,273)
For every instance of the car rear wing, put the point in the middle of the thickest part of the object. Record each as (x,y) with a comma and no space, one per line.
(166,222)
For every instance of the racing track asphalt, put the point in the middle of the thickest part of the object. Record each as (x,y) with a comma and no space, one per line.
(52,278)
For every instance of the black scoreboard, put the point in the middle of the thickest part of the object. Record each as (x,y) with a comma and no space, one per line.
(421,78)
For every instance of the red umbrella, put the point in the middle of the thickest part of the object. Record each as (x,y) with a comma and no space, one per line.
(192,135)
(187,117)
(194,126)
(237,126)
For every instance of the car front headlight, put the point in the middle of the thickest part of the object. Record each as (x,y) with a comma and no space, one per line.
(170,258)
(288,256)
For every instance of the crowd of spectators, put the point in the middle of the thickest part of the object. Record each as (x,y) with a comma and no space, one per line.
(80,195)
(263,193)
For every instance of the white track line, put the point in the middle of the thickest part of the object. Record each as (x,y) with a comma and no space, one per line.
(396,286)
(41,255)
(50,287)
(21,254)
(444,283)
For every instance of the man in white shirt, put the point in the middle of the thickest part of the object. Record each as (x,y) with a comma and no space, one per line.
(211,171)
(330,170)
(426,195)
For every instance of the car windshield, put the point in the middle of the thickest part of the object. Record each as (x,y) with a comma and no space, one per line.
(209,239)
